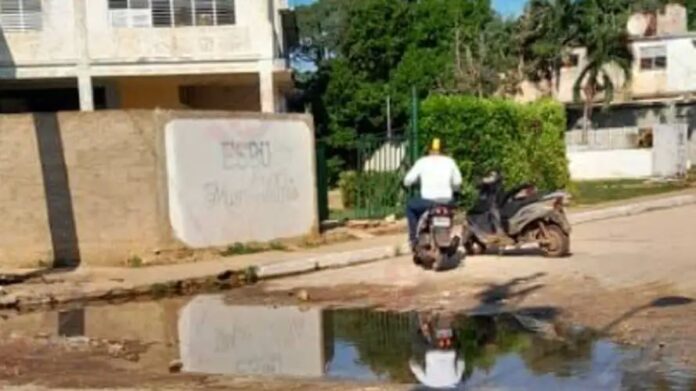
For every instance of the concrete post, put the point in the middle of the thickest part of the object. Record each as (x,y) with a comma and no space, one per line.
(84,85)
(267,88)
(84,79)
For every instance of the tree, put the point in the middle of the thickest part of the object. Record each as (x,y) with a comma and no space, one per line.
(486,64)
(320,26)
(365,51)
(547,31)
(691,13)
(608,56)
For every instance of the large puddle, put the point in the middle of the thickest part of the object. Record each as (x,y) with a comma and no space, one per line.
(208,335)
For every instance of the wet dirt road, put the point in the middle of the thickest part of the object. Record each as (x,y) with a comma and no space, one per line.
(634,277)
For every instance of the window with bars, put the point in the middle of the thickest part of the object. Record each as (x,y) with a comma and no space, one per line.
(21,15)
(653,58)
(130,13)
(171,13)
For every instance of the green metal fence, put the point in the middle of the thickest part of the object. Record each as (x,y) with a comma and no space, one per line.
(384,161)
(322,181)
(381,162)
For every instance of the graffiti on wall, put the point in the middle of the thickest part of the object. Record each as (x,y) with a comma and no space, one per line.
(237,180)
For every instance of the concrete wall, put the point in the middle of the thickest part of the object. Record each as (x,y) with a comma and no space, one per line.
(93,188)
(245,179)
(80,186)
(681,67)
(25,232)
(229,92)
(233,98)
(646,116)
(148,93)
(54,50)
(54,45)
(610,164)
(679,77)
(251,36)
(605,138)
(672,20)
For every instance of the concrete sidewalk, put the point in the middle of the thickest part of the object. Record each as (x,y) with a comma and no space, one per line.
(100,283)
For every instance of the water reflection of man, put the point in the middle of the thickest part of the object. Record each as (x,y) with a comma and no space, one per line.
(441,367)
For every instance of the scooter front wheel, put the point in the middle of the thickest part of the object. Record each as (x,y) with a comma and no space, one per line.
(556,242)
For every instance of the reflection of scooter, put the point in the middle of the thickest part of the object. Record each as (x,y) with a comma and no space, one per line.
(524,216)
(441,367)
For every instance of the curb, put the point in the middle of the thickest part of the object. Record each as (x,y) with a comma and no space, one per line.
(631,209)
(327,261)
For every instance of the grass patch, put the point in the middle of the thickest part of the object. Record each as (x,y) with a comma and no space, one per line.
(596,192)
(134,261)
(277,246)
(241,249)
(252,248)
(366,214)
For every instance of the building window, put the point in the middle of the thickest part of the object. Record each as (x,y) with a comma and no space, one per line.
(653,58)
(20,15)
(171,13)
(130,13)
(571,61)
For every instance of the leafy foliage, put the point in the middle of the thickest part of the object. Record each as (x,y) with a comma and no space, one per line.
(369,50)
(524,141)
(320,25)
(609,59)
(365,51)
(547,29)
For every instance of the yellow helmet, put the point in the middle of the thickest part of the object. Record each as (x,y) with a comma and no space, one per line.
(436,145)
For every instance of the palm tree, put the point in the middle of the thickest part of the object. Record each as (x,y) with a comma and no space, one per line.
(608,58)
(547,30)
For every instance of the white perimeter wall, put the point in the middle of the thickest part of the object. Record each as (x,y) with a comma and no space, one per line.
(240,180)
(610,164)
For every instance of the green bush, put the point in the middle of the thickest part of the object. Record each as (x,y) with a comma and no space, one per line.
(347,183)
(524,141)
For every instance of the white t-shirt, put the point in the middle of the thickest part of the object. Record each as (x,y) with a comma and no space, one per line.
(442,369)
(439,177)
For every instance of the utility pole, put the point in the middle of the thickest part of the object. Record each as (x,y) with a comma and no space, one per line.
(389,122)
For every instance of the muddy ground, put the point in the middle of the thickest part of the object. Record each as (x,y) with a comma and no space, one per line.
(63,364)
(650,316)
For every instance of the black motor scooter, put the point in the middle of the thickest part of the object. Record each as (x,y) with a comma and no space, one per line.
(519,216)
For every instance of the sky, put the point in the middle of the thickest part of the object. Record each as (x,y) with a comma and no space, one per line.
(505,7)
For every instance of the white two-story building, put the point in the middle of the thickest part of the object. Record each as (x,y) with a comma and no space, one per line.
(144,54)
(662,78)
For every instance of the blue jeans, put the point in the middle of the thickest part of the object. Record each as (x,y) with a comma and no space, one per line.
(414,210)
